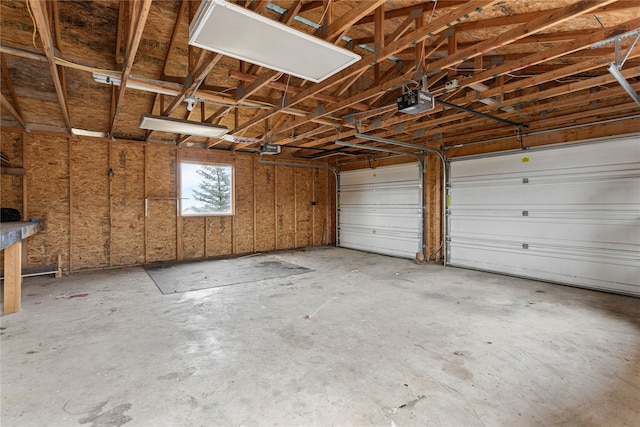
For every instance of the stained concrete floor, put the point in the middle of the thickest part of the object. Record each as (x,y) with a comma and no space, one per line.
(363,340)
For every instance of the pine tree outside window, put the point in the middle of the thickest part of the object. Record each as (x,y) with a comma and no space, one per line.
(206,189)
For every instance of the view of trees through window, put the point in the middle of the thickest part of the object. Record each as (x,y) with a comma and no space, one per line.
(206,189)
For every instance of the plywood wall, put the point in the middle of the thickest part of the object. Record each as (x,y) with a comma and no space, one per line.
(115,203)
(46,159)
(127,203)
(11,185)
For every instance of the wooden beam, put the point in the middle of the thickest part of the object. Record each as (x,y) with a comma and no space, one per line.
(556,74)
(38,11)
(404,11)
(542,23)
(13,171)
(452,48)
(446,21)
(209,61)
(552,53)
(293,89)
(174,35)
(137,27)
(6,104)
(520,18)
(338,28)
(14,108)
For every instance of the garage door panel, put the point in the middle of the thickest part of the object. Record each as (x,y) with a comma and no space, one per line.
(569,215)
(379,210)
(611,190)
(603,234)
(578,270)
(381,218)
(389,174)
(623,154)
(393,244)
(407,196)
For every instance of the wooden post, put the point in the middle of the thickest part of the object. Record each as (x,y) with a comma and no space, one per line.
(315,173)
(179,221)
(59,270)
(25,210)
(110,173)
(146,202)
(295,208)
(275,206)
(253,164)
(12,277)
(69,168)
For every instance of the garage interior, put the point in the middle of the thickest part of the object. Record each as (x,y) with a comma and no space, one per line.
(320,212)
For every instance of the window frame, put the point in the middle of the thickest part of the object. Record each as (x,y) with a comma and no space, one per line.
(182,198)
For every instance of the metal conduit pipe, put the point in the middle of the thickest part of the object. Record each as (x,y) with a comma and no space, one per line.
(305,165)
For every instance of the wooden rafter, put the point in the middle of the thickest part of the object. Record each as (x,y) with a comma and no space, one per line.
(12,91)
(205,63)
(404,11)
(551,53)
(174,35)
(340,26)
(292,89)
(440,24)
(6,104)
(539,24)
(42,25)
(137,27)
(559,73)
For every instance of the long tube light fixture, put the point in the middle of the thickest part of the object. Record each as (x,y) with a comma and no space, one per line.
(240,33)
(182,127)
(115,81)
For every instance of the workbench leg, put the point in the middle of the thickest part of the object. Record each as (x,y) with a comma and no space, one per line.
(12,278)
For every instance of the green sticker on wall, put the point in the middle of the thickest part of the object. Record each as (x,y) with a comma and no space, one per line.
(525,160)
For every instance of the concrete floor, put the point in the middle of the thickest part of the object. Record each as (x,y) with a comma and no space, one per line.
(363,340)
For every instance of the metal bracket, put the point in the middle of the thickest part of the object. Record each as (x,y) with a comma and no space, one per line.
(620,59)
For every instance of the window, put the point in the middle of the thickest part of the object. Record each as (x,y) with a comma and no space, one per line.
(206,189)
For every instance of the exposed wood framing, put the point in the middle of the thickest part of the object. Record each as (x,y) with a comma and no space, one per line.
(38,8)
(141,12)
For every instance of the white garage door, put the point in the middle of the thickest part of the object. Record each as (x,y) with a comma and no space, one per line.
(569,215)
(379,210)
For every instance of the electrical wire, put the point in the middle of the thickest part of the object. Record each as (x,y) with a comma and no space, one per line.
(324,13)
(435,3)
(33,21)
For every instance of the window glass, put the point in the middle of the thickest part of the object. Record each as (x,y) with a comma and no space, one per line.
(207,189)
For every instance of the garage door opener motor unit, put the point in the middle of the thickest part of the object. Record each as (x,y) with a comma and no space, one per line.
(415,101)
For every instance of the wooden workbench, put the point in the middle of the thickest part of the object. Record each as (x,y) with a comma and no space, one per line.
(11,236)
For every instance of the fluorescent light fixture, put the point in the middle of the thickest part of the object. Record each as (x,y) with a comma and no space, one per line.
(237,32)
(85,132)
(488,101)
(182,127)
(480,87)
(116,81)
(241,139)
(615,72)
